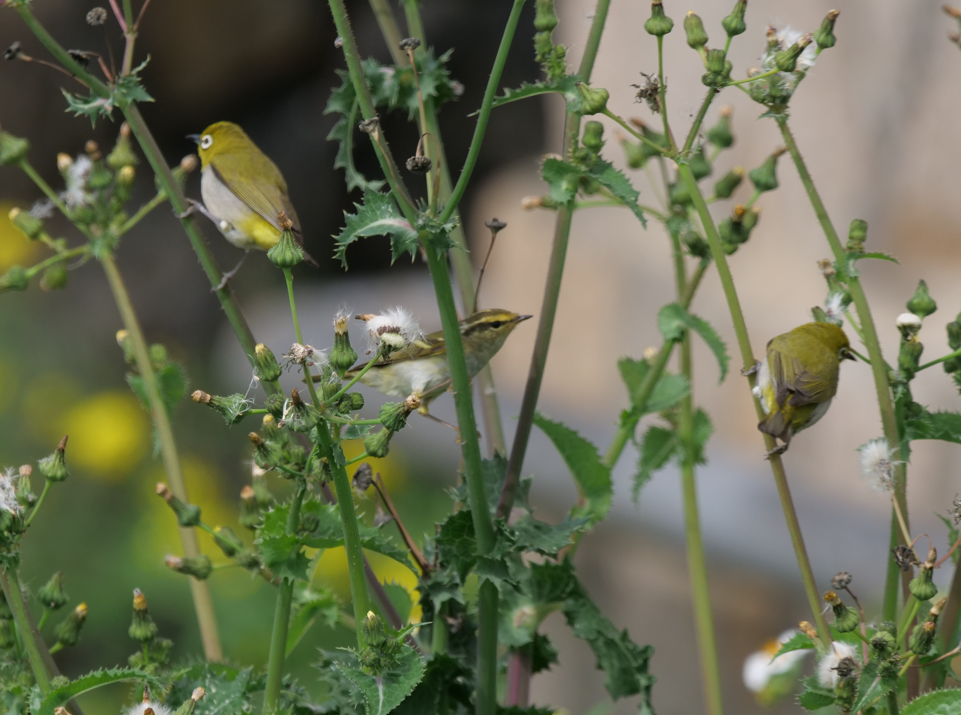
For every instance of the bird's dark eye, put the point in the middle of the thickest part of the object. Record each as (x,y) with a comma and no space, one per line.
(496,324)
(206,141)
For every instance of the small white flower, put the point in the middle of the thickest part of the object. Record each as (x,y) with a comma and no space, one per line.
(76,179)
(306,355)
(834,308)
(395,328)
(827,667)
(759,668)
(148,705)
(8,491)
(877,465)
(908,321)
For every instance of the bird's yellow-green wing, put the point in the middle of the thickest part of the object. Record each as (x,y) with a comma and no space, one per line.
(792,381)
(256,181)
(427,346)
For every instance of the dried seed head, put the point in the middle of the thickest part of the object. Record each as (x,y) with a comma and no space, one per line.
(369,126)
(846,667)
(841,581)
(97,17)
(14,52)
(905,557)
(409,44)
(495,225)
(189,163)
(418,164)
(363,477)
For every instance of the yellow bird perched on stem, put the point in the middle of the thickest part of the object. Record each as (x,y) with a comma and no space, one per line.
(798,378)
(243,191)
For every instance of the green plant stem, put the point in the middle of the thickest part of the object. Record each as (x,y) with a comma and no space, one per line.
(141,213)
(484,114)
(41,663)
(354,380)
(552,286)
(744,343)
(278,635)
(439,634)
(626,430)
(359,458)
(289,278)
(893,707)
(390,31)
(44,187)
(881,386)
(889,610)
(662,91)
(131,34)
(949,621)
(348,515)
(636,134)
(168,450)
(907,615)
(36,508)
(755,78)
(956,353)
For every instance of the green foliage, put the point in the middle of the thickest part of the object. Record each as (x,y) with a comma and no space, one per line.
(872,686)
(343,100)
(565,179)
(98,678)
(673,320)
(668,391)
(383,694)
(657,447)
(127,90)
(565,86)
(447,683)
(940,702)
(945,426)
(952,536)
(227,688)
(377,215)
(593,477)
(309,607)
(814,695)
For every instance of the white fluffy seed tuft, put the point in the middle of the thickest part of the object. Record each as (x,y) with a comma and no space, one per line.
(827,666)
(877,465)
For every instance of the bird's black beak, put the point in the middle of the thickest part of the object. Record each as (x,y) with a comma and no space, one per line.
(850,356)
(195,138)
(521,318)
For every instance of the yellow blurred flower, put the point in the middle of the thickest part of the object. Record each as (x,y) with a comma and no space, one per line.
(391,468)
(109,433)
(15,248)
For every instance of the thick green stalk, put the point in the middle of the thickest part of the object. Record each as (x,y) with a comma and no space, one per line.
(889,609)
(882,388)
(552,287)
(747,356)
(289,278)
(168,451)
(389,29)
(348,516)
(40,661)
(662,90)
(285,594)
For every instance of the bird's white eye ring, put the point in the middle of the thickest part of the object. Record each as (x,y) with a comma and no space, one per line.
(206,141)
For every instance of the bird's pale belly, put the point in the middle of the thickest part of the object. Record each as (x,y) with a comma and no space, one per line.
(409,377)
(239,224)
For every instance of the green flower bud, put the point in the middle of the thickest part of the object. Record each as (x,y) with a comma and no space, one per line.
(142,627)
(543,46)
(658,24)
(228,541)
(188,707)
(545,19)
(351,402)
(694,29)
(31,226)
(593,137)
(954,334)
(250,515)
(265,499)
(287,253)
(198,566)
(909,357)
(233,408)
(734,23)
(846,690)
(13,149)
(55,277)
(764,177)
(16,278)
(266,366)
(720,134)
(883,644)
(301,417)
(7,638)
(715,60)
(922,638)
(54,467)
(921,303)
(750,219)
(187,514)
(52,595)
(342,356)
(699,164)
(68,630)
(275,405)
(736,228)
(377,443)
(679,195)
(25,495)
(846,619)
(100,177)
(158,355)
(393,415)
(857,233)
(381,648)
(786,60)
(634,153)
(696,245)
(725,186)
(122,154)
(921,586)
(593,99)
(824,37)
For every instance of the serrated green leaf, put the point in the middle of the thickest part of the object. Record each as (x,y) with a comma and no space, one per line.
(592,477)
(668,391)
(456,543)
(871,686)
(356,431)
(329,533)
(394,87)
(673,320)
(701,433)
(343,101)
(311,606)
(400,599)
(85,683)
(658,445)
(945,426)
(940,702)
(226,689)
(952,536)
(815,696)
(447,682)
(880,255)
(798,641)
(547,539)
(562,178)
(384,694)
(566,86)
(618,184)
(377,215)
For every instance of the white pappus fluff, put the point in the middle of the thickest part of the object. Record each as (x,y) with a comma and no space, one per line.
(877,465)
(395,328)
(834,308)
(76,179)
(827,667)
(142,708)
(761,665)
(788,36)
(8,491)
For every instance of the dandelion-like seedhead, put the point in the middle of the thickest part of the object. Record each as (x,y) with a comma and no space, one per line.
(8,491)
(827,673)
(834,308)
(76,175)
(778,88)
(877,465)
(761,666)
(148,705)
(394,328)
(305,355)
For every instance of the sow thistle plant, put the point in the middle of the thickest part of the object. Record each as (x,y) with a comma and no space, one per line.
(492,572)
